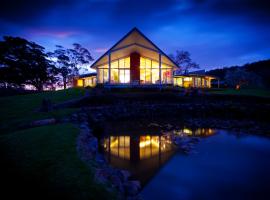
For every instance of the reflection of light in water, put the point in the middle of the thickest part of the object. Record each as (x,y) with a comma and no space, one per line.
(187,131)
(119,146)
(153,145)
(148,141)
(147,146)
(194,132)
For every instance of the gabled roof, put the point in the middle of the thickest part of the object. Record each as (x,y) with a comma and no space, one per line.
(134,40)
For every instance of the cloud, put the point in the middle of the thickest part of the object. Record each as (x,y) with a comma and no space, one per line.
(53,33)
(101,50)
(215,31)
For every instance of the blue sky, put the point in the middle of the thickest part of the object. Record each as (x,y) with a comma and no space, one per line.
(217,33)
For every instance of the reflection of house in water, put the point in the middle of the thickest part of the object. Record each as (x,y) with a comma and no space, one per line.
(199,132)
(142,155)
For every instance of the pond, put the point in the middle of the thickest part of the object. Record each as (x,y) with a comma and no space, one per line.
(219,165)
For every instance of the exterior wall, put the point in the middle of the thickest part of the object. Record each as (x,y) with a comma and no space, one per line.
(134,67)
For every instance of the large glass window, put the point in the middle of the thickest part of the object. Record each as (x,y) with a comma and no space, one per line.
(103,74)
(120,71)
(149,72)
(178,81)
(166,74)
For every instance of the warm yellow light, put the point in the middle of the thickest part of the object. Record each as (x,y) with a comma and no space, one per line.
(187,131)
(80,82)
(187,79)
(148,142)
(114,143)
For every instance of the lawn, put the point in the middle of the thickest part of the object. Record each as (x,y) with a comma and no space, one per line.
(42,163)
(19,110)
(243,92)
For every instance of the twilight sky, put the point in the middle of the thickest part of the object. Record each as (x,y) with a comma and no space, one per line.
(217,33)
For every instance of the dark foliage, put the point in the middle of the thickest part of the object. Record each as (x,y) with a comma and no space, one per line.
(70,61)
(183,60)
(24,63)
(260,68)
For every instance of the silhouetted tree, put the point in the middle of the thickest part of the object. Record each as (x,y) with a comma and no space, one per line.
(70,61)
(23,62)
(260,68)
(183,60)
(239,77)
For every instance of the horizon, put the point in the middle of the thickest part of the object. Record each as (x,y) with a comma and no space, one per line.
(216,34)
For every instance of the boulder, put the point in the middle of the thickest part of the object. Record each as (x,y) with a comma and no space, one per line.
(125,175)
(132,187)
(93,144)
(102,175)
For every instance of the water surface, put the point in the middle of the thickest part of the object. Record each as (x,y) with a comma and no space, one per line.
(222,165)
(226,166)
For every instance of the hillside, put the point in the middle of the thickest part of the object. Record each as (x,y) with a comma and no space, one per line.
(261,68)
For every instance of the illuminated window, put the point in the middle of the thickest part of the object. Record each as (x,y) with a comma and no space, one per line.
(148,75)
(198,82)
(155,64)
(155,76)
(124,75)
(187,79)
(120,71)
(127,62)
(102,74)
(114,65)
(80,82)
(114,75)
(148,63)
(149,72)
(178,81)
(122,63)
(142,62)
(166,75)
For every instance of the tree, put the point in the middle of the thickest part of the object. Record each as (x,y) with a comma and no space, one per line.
(23,62)
(70,61)
(183,60)
(239,77)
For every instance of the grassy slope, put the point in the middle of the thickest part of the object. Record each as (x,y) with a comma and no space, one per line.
(47,157)
(42,160)
(243,92)
(21,109)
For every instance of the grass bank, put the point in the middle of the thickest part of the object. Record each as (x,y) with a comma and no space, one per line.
(18,110)
(42,163)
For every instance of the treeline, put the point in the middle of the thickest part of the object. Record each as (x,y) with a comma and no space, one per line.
(255,74)
(25,63)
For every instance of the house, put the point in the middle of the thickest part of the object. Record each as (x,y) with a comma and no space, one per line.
(134,60)
(85,80)
(196,79)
